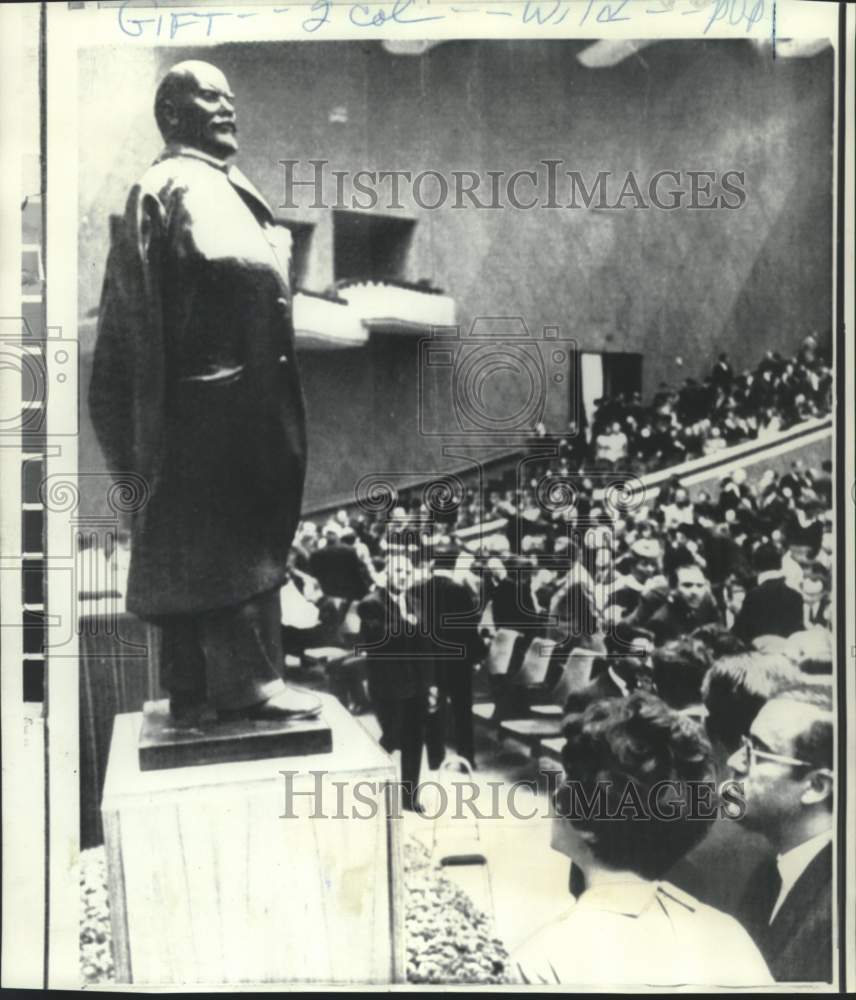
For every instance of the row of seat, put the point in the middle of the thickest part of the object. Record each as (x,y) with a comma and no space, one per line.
(540,732)
(540,728)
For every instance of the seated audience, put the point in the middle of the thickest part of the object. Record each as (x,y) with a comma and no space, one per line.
(627,926)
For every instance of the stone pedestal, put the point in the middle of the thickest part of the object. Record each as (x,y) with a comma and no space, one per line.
(211,741)
(237,873)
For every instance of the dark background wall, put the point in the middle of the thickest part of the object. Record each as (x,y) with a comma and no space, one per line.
(674,286)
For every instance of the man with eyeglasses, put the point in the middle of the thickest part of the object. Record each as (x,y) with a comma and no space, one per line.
(785,766)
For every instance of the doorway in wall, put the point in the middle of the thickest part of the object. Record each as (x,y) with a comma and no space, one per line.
(607,373)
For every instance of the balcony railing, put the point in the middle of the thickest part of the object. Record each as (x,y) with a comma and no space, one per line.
(398,305)
(327,321)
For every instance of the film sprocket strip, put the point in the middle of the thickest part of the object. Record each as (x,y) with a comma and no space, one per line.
(31,336)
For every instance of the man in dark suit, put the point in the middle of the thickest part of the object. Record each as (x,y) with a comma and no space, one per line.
(771,607)
(735,689)
(515,607)
(688,606)
(400,670)
(722,374)
(785,766)
(449,612)
(680,666)
(195,394)
(337,566)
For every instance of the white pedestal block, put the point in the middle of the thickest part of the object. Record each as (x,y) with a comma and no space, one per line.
(217,876)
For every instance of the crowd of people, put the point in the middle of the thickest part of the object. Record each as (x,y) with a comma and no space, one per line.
(703,417)
(698,419)
(677,633)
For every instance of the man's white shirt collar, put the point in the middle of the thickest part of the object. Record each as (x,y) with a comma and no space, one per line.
(770,574)
(794,862)
(632,897)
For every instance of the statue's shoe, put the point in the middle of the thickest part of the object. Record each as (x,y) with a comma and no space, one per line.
(292,703)
(190,711)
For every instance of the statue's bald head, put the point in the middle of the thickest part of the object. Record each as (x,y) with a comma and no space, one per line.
(195,106)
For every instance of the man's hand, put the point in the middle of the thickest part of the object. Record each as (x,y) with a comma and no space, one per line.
(433,699)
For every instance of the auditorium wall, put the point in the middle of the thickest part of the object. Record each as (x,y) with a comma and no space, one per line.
(674,286)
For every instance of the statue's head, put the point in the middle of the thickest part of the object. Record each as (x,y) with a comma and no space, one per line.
(194,106)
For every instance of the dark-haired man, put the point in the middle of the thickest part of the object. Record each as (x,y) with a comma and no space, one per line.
(688,606)
(400,668)
(785,765)
(771,607)
(722,374)
(337,566)
(734,690)
(449,602)
(614,677)
(680,666)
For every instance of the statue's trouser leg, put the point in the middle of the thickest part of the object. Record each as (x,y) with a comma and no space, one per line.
(232,655)
(243,652)
(182,662)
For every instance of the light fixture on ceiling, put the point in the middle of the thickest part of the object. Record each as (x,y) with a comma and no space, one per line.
(409,47)
(793,48)
(602,54)
(610,53)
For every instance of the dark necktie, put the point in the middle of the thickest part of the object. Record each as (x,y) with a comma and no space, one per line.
(576,881)
(775,889)
(765,901)
(759,900)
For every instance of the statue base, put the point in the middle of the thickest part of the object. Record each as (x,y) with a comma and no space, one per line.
(164,743)
(284,870)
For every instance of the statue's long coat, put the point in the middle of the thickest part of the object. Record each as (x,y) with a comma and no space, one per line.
(195,386)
